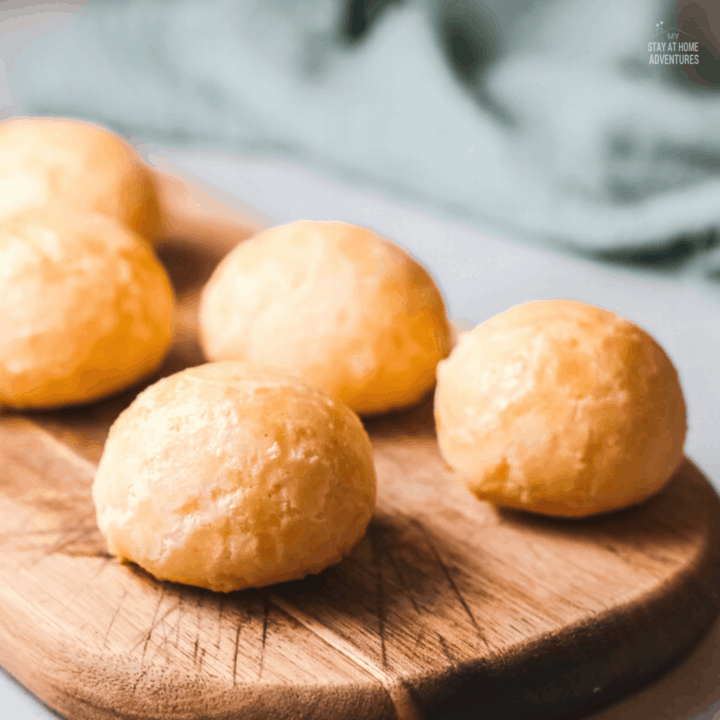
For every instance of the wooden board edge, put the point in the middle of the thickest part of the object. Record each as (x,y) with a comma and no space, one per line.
(538,681)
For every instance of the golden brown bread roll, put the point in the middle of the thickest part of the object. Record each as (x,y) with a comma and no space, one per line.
(335,304)
(78,165)
(85,309)
(229,476)
(560,408)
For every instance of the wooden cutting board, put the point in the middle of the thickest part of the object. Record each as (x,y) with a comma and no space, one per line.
(448,608)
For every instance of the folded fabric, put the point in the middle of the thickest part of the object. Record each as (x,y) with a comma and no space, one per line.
(549,119)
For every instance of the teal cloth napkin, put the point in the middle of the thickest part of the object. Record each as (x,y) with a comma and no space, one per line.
(545,118)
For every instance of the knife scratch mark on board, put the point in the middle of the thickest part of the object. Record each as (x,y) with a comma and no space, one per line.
(181,616)
(447,652)
(198,615)
(168,629)
(198,622)
(221,609)
(114,615)
(146,637)
(266,612)
(451,581)
(235,657)
(403,582)
(379,595)
(142,674)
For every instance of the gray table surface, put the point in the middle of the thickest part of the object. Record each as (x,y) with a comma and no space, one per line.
(482,274)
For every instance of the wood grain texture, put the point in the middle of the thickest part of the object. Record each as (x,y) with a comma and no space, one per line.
(448,608)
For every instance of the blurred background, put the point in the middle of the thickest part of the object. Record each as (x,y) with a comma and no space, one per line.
(549,120)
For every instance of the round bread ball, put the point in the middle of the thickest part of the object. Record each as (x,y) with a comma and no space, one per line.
(335,304)
(560,408)
(78,165)
(85,309)
(228,476)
